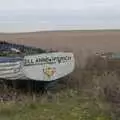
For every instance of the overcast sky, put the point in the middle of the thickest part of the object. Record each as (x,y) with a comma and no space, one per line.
(32,15)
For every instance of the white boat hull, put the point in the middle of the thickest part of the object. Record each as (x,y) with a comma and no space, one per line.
(40,67)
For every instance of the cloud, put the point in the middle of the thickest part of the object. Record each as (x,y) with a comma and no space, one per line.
(58,4)
(52,14)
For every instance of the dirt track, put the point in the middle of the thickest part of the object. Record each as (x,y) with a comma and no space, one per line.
(69,40)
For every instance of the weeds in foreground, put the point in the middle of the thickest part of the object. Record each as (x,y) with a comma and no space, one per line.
(68,104)
(90,93)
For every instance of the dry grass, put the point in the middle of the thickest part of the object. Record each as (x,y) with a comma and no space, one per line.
(95,82)
(95,86)
(100,80)
(91,91)
(65,105)
(75,40)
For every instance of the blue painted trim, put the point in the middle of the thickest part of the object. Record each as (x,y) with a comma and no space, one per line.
(10,59)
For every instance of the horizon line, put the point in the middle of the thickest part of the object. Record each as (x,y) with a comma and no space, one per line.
(64,30)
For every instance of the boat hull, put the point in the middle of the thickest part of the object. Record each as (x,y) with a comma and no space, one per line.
(40,67)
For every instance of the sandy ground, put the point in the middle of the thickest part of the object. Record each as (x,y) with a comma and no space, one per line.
(77,41)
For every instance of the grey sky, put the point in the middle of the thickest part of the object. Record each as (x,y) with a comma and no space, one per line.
(32,15)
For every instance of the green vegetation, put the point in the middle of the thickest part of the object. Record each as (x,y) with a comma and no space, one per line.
(24,50)
(89,30)
(69,105)
(8,54)
(89,93)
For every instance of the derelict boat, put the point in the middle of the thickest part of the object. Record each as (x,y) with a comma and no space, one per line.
(44,67)
(11,68)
